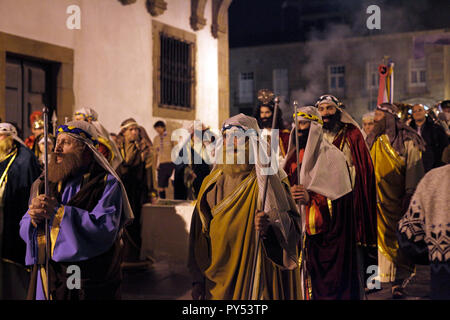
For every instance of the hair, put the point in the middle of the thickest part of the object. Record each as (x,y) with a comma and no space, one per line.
(159,124)
(279,121)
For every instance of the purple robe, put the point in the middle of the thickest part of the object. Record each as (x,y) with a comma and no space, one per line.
(82,234)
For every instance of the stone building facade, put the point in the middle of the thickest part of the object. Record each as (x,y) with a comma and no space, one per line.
(345,67)
(147,59)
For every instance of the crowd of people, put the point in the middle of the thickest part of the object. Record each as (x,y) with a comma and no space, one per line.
(341,198)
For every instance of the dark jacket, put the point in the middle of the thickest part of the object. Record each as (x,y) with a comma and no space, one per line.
(436,141)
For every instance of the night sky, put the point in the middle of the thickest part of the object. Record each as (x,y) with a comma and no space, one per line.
(257,22)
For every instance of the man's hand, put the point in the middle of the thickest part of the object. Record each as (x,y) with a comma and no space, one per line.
(300,194)
(42,207)
(261,222)
(197,291)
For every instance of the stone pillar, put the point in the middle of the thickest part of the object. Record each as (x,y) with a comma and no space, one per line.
(219,29)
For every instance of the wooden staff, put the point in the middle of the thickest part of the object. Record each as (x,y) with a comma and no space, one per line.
(266,183)
(46,191)
(300,207)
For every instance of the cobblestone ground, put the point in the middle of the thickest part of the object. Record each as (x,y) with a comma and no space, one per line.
(166,281)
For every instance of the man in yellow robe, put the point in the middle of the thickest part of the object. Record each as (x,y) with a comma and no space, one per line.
(227,215)
(396,153)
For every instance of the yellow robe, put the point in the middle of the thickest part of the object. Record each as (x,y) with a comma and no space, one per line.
(223,243)
(395,176)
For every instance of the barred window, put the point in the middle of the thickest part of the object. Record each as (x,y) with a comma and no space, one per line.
(176,70)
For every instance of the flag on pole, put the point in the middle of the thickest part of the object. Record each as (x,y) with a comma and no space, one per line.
(386,87)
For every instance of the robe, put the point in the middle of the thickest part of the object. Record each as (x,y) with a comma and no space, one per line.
(222,243)
(330,244)
(19,170)
(84,232)
(349,139)
(396,177)
(138,177)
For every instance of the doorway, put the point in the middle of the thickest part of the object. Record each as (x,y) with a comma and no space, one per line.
(29,85)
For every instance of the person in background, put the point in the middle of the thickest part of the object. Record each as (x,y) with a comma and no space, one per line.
(50,146)
(434,135)
(163,147)
(18,170)
(137,174)
(37,129)
(396,153)
(423,231)
(367,121)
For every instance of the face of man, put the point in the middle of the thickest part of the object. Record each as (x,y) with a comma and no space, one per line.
(37,132)
(6,143)
(330,115)
(265,115)
(160,130)
(303,132)
(131,133)
(78,117)
(232,152)
(379,115)
(447,113)
(368,125)
(418,113)
(65,144)
(67,159)
(379,123)
(42,147)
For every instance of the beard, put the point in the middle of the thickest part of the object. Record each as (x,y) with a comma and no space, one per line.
(235,168)
(333,120)
(265,123)
(6,147)
(379,127)
(69,165)
(303,139)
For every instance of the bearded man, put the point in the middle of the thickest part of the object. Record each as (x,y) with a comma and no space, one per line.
(341,130)
(264,113)
(87,208)
(396,153)
(228,213)
(18,169)
(137,172)
(330,269)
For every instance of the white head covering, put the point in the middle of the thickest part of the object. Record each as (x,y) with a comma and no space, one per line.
(90,140)
(368,115)
(88,113)
(345,117)
(324,169)
(91,114)
(9,129)
(277,200)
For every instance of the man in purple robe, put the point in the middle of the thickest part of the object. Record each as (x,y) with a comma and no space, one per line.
(87,208)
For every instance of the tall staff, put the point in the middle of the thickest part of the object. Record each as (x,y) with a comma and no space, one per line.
(300,207)
(46,191)
(266,183)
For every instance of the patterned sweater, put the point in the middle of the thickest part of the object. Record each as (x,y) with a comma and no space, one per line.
(424,231)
